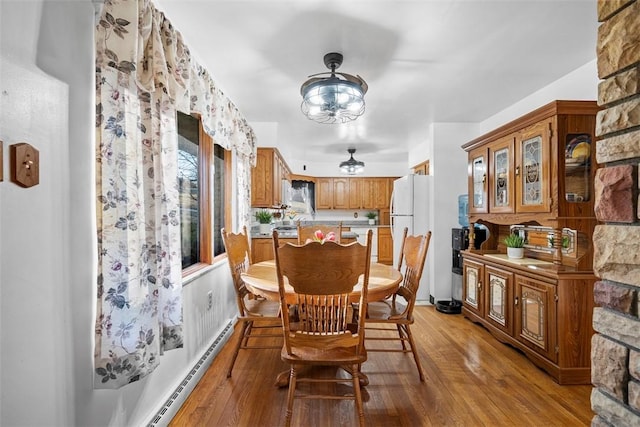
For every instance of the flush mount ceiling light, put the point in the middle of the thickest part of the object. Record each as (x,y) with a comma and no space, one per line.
(352,166)
(335,97)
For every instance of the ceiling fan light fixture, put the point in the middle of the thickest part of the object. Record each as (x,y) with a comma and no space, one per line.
(336,98)
(352,166)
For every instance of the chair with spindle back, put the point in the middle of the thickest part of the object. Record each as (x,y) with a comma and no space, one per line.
(398,309)
(320,329)
(254,313)
(307,232)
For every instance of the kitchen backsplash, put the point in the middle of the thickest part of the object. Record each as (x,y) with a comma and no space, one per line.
(346,216)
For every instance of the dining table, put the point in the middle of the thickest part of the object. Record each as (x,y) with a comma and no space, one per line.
(261,279)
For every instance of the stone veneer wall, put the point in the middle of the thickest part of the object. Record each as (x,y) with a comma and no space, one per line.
(615,348)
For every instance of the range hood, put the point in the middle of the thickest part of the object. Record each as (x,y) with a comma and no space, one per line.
(301,196)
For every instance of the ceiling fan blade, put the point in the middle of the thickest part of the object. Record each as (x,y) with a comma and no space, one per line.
(310,81)
(328,73)
(356,79)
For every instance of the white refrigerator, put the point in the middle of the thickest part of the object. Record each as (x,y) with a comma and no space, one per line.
(410,208)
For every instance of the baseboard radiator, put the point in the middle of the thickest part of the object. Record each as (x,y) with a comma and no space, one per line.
(164,416)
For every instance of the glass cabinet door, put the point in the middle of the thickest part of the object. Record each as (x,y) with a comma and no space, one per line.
(472,286)
(577,167)
(532,168)
(499,298)
(478,181)
(501,171)
(535,316)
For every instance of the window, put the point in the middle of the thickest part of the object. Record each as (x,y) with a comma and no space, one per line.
(203,182)
(219,197)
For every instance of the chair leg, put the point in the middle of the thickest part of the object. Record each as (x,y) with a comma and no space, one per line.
(290,395)
(236,350)
(402,337)
(247,334)
(414,351)
(355,374)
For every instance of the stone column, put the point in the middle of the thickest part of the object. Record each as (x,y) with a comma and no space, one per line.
(615,358)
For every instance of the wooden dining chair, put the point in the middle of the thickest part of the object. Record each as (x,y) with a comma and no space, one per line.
(308,231)
(398,309)
(320,329)
(256,314)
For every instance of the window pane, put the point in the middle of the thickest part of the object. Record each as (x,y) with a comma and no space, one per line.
(219,198)
(189,187)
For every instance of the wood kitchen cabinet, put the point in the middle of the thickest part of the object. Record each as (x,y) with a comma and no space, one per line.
(324,193)
(262,249)
(267,177)
(341,193)
(353,193)
(382,192)
(421,168)
(385,246)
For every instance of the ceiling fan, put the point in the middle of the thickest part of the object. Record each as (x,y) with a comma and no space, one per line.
(333,97)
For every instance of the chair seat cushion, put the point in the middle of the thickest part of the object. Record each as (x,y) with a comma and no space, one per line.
(387,310)
(262,307)
(321,356)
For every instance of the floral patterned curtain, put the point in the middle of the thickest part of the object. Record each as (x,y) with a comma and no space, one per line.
(144,74)
(243,191)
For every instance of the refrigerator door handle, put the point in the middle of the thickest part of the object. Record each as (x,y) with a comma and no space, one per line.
(391,212)
(391,218)
(391,204)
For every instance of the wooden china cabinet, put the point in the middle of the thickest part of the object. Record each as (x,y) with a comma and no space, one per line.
(534,177)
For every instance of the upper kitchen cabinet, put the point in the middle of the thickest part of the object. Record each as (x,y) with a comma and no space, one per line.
(324,193)
(380,192)
(341,195)
(353,193)
(421,168)
(531,166)
(376,192)
(267,177)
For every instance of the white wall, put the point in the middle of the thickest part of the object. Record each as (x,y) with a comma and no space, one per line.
(449,169)
(48,260)
(580,84)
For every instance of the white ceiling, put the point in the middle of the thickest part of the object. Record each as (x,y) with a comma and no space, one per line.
(424,61)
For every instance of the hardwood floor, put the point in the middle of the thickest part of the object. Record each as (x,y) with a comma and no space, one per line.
(471,380)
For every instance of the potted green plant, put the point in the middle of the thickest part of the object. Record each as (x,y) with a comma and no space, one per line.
(264,217)
(515,245)
(565,242)
(372,217)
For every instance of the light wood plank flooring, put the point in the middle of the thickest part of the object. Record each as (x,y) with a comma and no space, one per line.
(471,380)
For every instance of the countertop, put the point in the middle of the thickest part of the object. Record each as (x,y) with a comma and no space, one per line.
(293,234)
